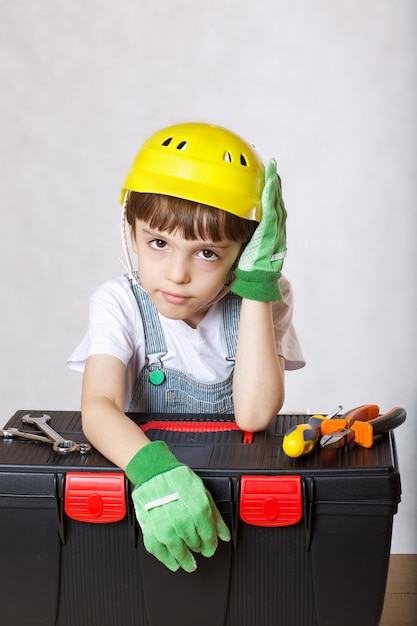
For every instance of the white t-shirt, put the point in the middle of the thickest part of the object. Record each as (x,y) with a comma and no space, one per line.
(115,328)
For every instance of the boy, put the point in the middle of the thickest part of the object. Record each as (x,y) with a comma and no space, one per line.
(203,326)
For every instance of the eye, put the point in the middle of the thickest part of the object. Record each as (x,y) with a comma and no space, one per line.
(158,244)
(208,255)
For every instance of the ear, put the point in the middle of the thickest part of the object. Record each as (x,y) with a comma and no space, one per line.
(133,239)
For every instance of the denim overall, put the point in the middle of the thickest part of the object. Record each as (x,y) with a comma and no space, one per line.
(179,392)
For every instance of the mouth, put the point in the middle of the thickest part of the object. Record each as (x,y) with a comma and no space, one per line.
(173,298)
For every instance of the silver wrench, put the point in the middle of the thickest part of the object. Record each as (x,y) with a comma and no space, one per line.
(12,433)
(59,444)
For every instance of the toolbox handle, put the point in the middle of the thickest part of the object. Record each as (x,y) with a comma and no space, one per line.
(193,426)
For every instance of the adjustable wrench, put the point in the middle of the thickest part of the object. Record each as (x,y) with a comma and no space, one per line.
(59,444)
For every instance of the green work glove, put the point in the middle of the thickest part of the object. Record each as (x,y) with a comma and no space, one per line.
(174,509)
(260,264)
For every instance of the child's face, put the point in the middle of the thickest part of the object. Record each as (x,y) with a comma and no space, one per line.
(182,276)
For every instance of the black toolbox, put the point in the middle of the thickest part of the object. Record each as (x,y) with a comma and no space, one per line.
(310,536)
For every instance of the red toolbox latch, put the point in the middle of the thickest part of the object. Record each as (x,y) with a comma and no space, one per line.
(271,500)
(95,497)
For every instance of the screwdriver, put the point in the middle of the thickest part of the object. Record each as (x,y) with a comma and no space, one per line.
(301,439)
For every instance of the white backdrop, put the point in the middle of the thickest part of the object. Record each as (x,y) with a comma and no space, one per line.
(326,87)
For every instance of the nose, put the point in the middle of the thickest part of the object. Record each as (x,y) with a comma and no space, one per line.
(178,270)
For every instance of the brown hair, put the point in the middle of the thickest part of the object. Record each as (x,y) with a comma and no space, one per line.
(192,219)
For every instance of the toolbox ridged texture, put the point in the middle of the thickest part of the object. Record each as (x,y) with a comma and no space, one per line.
(98,574)
(100,577)
(275,570)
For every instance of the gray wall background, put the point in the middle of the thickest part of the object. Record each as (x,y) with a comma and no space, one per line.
(326,87)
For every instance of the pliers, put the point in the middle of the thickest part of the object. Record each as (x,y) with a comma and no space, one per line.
(360,425)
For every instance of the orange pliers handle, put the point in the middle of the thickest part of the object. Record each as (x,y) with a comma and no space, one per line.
(363,432)
(362,413)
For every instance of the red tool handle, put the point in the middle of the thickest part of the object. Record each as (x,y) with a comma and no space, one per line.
(191,426)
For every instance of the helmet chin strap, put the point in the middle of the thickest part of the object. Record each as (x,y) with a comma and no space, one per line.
(225,289)
(128,266)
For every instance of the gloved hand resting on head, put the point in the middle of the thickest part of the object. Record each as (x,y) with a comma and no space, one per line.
(174,509)
(260,264)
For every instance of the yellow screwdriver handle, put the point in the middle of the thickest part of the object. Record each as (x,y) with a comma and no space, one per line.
(302,438)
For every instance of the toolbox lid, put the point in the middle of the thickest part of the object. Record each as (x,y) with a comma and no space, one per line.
(350,474)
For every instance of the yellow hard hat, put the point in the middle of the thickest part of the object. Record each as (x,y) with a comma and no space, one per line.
(200,162)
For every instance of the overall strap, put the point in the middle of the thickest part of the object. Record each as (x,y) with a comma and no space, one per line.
(231,304)
(154,337)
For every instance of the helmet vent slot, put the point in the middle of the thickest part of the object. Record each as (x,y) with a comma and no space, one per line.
(182,145)
(228,158)
(167,141)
